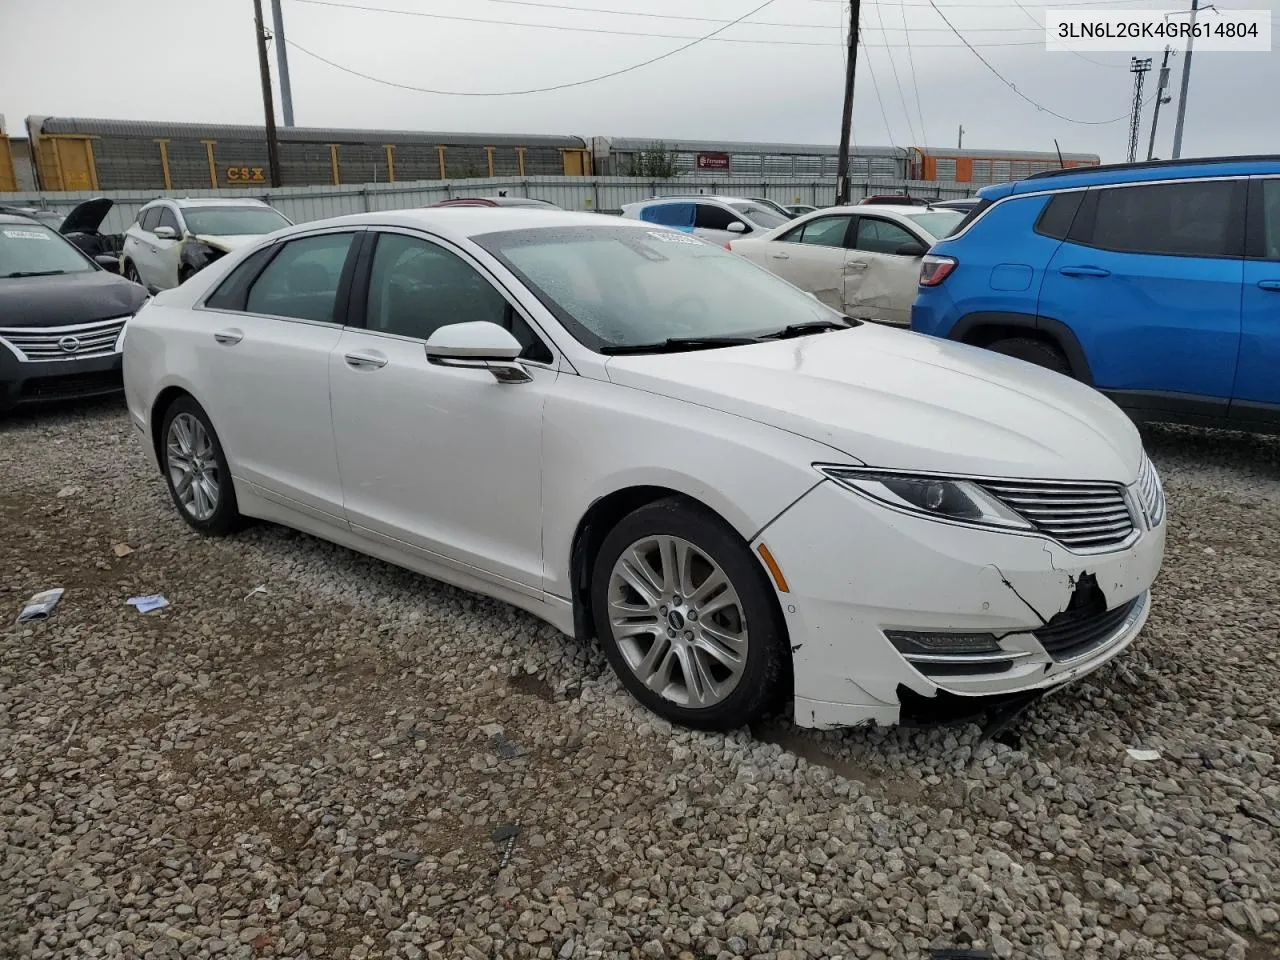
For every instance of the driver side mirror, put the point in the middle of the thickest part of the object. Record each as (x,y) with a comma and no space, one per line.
(165,233)
(480,345)
(911,249)
(108,262)
(737,227)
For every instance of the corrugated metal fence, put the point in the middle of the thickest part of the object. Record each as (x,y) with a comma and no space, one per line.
(601,194)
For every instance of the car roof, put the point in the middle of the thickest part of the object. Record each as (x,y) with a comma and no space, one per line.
(1143,172)
(686,198)
(210,201)
(457,223)
(18,218)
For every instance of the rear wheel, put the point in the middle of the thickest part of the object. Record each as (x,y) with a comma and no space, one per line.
(686,617)
(196,470)
(1033,351)
(131,272)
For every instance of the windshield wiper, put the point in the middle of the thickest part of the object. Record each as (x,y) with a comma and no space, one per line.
(678,345)
(35,273)
(814,326)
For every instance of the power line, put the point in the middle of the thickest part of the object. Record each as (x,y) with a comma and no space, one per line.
(559,86)
(1077,53)
(902,97)
(915,84)
(1009,84)
(642,34)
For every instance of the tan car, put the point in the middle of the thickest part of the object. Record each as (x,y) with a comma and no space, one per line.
(862,260)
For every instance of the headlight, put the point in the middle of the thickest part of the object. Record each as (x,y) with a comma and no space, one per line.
(943,498)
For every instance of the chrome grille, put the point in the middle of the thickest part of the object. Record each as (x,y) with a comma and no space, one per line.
(1080,514)
(1151,493)
(74,342)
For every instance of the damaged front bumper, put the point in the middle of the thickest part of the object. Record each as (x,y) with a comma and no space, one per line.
(898,618)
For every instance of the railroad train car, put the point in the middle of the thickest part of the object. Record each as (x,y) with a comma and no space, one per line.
(981,167)
(84,154)
(624,157)
(90,154)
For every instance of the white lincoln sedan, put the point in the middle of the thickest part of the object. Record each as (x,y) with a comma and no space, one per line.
(642,438)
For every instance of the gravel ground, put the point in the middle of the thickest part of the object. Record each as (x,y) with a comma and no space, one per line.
(319,769)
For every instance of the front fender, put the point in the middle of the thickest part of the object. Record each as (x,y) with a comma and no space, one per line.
(600,438)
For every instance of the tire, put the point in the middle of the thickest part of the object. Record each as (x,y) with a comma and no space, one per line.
(208,502)
(1033,351)
(131,273)
(744,614)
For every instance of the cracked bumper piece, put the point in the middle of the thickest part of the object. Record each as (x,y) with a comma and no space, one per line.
(880,600)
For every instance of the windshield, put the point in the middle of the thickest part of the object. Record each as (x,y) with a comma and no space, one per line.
(760,215)
(937,223)
(620,286)
(32,249)
(232,221)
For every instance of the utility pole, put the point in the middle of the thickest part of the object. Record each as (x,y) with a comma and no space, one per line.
(282,62)
(1139,70)
(846,120)
(268,107)
(1162,84)
(1186,80)
(960,138)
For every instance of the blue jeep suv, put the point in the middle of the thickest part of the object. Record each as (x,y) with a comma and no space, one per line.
(1156,283)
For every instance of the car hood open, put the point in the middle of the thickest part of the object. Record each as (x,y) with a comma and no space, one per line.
(68,298)
(900,400)
(87,217)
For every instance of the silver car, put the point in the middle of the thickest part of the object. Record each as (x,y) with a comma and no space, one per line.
(718,219)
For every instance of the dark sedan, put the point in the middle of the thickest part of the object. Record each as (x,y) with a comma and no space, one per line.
(62,316)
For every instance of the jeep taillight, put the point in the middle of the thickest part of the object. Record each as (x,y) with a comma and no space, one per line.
(933,269)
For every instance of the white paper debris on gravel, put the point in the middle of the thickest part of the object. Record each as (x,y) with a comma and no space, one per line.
(1139,753)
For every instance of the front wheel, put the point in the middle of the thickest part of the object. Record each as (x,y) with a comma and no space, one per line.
(196,470)
(687,618)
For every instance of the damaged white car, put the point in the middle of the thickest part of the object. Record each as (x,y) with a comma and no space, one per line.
(862,260)
(645,439)
(171,240)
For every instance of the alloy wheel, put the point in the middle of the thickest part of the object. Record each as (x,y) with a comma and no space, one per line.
(193,466)
(678,621)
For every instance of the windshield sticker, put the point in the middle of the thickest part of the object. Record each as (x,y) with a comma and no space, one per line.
(674,237)
(26,235)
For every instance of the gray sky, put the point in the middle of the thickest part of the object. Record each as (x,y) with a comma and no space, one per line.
(195,61)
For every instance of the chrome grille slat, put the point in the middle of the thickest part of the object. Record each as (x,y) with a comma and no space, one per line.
(1077,514)
(43,343)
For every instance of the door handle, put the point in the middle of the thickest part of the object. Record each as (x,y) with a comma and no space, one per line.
(1084,272)
(780,256)
(1273,285)
(366,361)
(229,336)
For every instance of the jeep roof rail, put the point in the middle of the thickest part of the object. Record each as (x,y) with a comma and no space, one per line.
(1152,164)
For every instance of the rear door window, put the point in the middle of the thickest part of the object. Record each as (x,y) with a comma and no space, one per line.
(669,215)
(1194,219)
(822,231)
(303,279)
(881,236)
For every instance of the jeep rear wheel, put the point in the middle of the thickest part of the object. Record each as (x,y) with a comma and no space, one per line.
(1033,351)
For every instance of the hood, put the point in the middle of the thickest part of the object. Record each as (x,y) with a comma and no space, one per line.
(227,244)
(901,400)
(87,217)
(66,299)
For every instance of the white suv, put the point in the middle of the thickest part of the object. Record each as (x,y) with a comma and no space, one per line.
(718,219)
(172,239)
